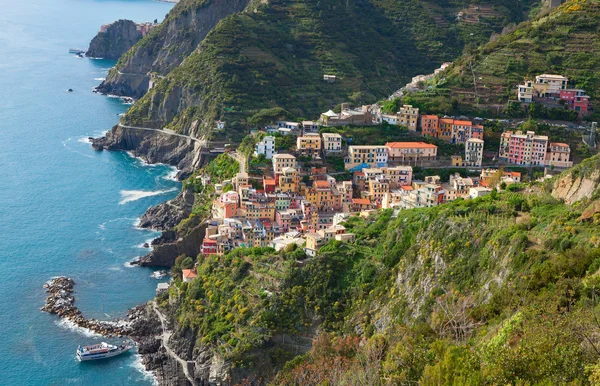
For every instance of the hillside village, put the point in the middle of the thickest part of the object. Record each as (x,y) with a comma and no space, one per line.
(298,196)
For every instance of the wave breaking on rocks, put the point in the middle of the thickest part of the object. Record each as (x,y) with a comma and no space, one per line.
(61,302)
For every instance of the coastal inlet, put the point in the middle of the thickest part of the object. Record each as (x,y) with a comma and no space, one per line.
(60,301)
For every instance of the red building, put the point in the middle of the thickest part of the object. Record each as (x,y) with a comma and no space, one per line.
(209,247)
(430,125)
(575,99)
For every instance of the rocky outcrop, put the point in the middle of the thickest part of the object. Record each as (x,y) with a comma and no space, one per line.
(578,183)
(170,245)
(118,38)
(168,214)
(168,45)
(155,147)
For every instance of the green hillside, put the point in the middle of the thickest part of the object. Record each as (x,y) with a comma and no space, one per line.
(565,41)
(497,290)
(275,55)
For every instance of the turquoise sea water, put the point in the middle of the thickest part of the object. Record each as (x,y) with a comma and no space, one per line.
(65,209)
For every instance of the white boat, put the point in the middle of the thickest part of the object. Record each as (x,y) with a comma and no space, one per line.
(101,351)
(76,51)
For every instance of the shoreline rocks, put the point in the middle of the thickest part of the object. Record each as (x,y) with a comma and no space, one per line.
(60,302)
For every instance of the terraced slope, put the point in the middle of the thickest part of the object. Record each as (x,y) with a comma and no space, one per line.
(275,53)
(566,41)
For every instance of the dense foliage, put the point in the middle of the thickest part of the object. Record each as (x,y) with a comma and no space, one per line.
(483,80)
(496,290)
(255,64)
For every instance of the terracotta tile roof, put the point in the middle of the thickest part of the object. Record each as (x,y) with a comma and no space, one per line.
(361,201)
(321,184)
(404,145)
(463,123)
(406,187)
(188,274)
(559,144)
(429,116)
(269,181)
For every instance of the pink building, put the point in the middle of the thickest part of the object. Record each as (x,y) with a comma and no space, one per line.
(523,149)
(575,99)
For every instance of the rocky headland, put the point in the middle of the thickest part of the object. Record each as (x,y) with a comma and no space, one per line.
(174,39)
(116,39)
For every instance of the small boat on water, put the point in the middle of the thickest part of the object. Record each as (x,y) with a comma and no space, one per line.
(76,51)
(102,350)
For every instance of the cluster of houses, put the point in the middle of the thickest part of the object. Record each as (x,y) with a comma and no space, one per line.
(528,149)
(525,149)
(308,207)
(451,130)
(553,87)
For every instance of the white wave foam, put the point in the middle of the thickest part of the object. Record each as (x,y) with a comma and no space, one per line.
(69,325)
(172,175)
(101,79)
(128,264)
(84,140)
(139,366)
(64,143)
(147,242)
(134,195)
(114,269)
(158,274)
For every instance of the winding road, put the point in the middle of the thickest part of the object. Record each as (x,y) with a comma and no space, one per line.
(202,142)
(165,343)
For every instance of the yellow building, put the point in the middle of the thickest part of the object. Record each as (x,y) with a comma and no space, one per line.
(259,210)
(323,196)
(288,180)
(366,156)
(377,190)
(309,144)
(314,241)
(408,116)
(456,160)
(281,161)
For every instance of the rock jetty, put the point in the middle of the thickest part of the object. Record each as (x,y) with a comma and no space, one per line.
(61,302)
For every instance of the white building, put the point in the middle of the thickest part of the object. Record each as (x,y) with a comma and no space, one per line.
(266,147)
(332,143)
(310,127)
(479,191)
(474,152)
(392,119)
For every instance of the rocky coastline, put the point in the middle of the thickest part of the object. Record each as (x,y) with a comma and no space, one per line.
(61,302)
(140,324)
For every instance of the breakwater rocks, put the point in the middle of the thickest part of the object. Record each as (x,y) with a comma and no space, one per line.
(60,301)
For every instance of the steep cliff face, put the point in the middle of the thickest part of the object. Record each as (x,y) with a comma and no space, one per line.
(275,53)
(171,245)
(167,45)
(119,37)
(155,147)
(168,214)
(579,183)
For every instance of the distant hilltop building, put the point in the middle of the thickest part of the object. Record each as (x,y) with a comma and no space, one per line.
(414,83)
(553,87)
(362,116)
(144,28)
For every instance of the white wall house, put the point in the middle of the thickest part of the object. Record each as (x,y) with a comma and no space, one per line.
(266,147)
